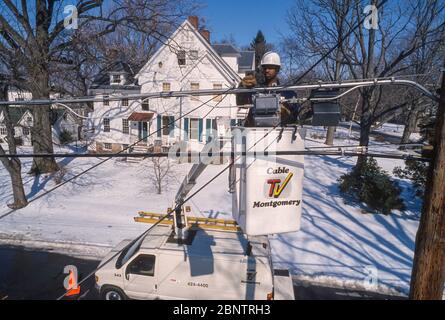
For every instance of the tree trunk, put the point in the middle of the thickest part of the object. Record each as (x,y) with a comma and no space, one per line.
(15,171)
(41,133)
(428,274)
(410,126)
(330,136)
(13,166)
(365,130)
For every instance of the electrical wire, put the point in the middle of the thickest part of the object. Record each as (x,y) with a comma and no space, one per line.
(177,207)
(105,160)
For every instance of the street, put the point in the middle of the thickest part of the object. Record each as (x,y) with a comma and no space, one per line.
(38,275)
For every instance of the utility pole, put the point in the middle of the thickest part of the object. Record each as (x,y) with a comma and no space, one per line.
(428,274)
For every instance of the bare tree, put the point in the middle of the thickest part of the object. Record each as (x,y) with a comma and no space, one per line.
(307,42)
(12,165)
(34,34)
(160,174)
(404,28)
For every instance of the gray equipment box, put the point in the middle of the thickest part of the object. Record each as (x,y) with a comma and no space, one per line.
(325,113)
(265,110)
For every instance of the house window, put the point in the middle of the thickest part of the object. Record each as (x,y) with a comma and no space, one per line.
(194,129)
(166,126)
(166,87)
(125,146)
(125,126)
(25,131)
(106,101)
(28,119)
(194,55)
(145,105)
(106,125)
(3,131)
(217,86)
(211,128)
(116,79)
(194,86)
(107,146)
(19,99)
(181,58)
(125,102)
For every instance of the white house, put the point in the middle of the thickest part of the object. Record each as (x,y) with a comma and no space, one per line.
(187,61)
(23,119)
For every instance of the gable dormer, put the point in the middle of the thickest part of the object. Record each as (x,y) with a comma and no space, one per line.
(118,78)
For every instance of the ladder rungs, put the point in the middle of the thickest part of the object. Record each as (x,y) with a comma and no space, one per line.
(192,222)
(152,221)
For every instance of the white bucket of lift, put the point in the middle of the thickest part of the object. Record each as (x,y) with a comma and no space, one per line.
(267,191)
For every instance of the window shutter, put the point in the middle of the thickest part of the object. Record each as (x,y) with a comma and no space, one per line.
(186,129)
(200,127)
(171,126)
(208,129)
(159,124)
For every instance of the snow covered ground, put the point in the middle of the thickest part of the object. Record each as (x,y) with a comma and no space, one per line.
(338,243)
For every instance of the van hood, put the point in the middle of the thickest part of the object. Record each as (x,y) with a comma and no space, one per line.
(113,252)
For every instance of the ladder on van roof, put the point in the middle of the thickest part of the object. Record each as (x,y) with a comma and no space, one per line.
(192,222)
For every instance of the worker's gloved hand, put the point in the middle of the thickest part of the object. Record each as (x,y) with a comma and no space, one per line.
(249,81)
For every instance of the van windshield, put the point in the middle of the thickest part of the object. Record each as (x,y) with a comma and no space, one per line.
(128,252)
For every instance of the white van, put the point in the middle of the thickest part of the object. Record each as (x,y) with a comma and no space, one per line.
(207,265)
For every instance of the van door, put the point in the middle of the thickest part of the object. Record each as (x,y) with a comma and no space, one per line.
(140,280)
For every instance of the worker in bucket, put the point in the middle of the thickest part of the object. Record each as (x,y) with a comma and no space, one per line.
(270,67)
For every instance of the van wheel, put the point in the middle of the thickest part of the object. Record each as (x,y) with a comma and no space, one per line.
(113,293)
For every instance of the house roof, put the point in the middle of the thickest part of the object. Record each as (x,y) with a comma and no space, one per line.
(214,56)
(225,49)
(245,58)
(102,80)
(141,116)
(17,113)
(246,61)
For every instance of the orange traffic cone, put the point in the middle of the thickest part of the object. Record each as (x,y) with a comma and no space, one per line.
(72,282)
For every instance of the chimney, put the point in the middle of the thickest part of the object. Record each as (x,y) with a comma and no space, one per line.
(206,34)
(194,20)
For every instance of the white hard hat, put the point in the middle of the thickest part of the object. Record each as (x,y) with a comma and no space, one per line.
(271,59)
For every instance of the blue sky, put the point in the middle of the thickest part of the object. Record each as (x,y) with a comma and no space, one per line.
(243,18)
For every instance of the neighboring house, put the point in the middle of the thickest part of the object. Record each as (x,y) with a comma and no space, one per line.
(63,120)
(22,118)
(187,61)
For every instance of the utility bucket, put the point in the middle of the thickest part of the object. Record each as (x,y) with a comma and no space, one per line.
(267,190)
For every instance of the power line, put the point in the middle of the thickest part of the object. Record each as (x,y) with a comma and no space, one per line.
(231,90)
(199,155)
(148,230)
(177,207)
(105,160)
(341,40)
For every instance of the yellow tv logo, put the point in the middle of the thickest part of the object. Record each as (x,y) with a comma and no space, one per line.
(276,187)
